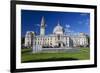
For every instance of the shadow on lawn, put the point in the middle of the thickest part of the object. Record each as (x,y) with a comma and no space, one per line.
(51,59)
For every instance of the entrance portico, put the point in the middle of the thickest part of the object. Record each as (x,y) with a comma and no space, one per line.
(60,44)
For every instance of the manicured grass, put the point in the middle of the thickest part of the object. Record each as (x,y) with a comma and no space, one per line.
(28,56)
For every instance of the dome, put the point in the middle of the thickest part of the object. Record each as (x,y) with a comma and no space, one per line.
(58,30)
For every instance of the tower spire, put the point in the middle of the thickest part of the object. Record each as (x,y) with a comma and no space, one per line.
(58,23)
(42,21)
(42,27)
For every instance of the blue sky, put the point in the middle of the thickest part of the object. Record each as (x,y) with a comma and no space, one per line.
(73,21)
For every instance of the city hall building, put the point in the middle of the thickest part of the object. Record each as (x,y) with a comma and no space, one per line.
(57,39)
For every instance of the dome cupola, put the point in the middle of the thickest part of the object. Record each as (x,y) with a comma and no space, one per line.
(58,29)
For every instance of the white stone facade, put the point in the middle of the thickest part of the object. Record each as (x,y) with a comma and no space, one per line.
(29,38)
(57,39)
(62,40)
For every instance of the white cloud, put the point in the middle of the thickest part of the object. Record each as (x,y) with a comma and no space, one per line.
(84,22)
(38,24)
(67,30)
(87,22)
(67,26)
(80,22)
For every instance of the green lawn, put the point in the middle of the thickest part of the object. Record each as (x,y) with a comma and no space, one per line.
(28,56)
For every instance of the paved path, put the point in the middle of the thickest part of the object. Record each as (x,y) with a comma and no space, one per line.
(60,49)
